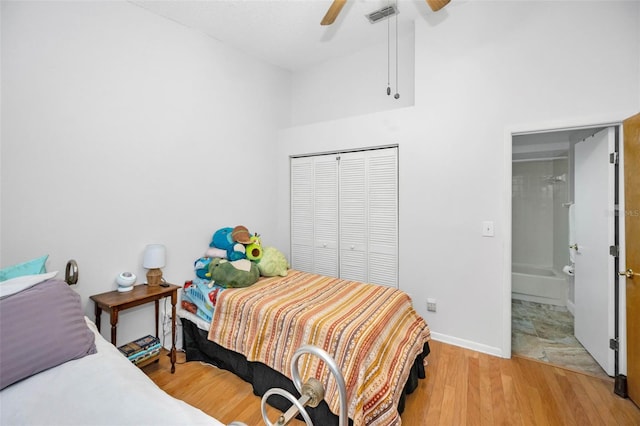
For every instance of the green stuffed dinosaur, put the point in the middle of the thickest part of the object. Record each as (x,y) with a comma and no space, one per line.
(234,274)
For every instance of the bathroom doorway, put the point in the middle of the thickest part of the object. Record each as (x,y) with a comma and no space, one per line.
(543,263)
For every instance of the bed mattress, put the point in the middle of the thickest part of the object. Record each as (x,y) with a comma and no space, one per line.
(100,389)
(372,332)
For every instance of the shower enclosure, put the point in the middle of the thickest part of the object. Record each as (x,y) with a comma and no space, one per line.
(540,234)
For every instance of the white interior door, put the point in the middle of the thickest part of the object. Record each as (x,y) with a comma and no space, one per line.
(382,172)
(325,215)
(369,216)
(302,209)
(344,215)
(594,233)
(354,229)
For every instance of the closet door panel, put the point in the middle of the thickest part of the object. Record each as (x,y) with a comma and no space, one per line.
(302,207)
(383,269)
(351,265)
(382,189)
(353,216)
(302,257)
(325,215)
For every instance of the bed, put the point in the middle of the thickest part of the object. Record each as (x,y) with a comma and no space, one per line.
(373,333)
(57,369)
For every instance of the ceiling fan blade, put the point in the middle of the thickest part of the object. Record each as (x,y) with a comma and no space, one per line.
(436,5)
(333,12)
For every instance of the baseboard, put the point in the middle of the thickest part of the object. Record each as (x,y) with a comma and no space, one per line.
(468,344)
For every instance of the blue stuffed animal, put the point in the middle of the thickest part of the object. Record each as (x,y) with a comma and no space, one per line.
(201,267)
(223,239)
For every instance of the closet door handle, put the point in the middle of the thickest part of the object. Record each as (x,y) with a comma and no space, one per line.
(574,246)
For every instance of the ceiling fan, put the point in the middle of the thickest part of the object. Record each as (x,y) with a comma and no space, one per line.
(336,7)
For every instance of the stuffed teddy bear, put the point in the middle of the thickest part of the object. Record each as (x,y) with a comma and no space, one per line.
(235,274)
(273,263)
(223,239)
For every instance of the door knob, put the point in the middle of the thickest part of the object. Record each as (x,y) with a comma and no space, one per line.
(574,246)
(628,273)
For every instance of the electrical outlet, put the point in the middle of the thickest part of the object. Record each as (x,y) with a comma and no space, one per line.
(431,305)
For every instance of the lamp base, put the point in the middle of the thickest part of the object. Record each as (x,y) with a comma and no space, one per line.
(154,277)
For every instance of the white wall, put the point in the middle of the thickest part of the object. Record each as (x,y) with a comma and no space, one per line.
(484,68)
(121,128)
(352,85)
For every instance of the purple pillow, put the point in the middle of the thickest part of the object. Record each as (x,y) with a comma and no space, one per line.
(40,328)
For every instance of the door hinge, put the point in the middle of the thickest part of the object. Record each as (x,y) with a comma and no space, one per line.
(613,158)
(613,344)
(614,251)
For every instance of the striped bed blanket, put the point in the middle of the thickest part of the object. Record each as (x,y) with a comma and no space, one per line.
(372,332)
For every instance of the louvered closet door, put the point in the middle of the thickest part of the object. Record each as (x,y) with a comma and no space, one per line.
(325,215)
(302,206)
(369,216)
(353,216)
(382,189)
(344,215)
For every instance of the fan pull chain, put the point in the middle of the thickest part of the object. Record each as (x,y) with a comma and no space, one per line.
(397,95)
(388,56)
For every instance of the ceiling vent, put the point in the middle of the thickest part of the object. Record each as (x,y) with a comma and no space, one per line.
(381,14)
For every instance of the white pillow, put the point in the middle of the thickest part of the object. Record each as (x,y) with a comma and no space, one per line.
(15,285)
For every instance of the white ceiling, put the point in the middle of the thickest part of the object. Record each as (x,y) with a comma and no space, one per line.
(288,33)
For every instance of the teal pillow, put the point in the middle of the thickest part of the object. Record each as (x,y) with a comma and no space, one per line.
(30,267)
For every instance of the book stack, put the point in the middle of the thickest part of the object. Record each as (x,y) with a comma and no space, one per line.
(142,351)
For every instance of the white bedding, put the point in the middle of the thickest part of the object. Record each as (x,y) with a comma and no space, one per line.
(100,389)
(23,282)
(202,324)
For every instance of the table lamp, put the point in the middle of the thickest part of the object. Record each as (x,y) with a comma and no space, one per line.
(154,259)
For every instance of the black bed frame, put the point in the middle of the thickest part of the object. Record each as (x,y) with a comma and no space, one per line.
(199,348)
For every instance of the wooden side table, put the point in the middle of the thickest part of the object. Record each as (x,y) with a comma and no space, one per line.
(115,301)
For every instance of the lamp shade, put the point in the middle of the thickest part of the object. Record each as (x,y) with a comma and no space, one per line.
(154,256)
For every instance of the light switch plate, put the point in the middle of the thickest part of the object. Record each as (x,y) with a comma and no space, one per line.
(487,228)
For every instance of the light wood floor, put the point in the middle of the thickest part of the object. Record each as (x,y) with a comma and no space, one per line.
(462,387)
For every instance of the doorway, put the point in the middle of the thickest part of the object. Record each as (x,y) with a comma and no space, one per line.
(547,176)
